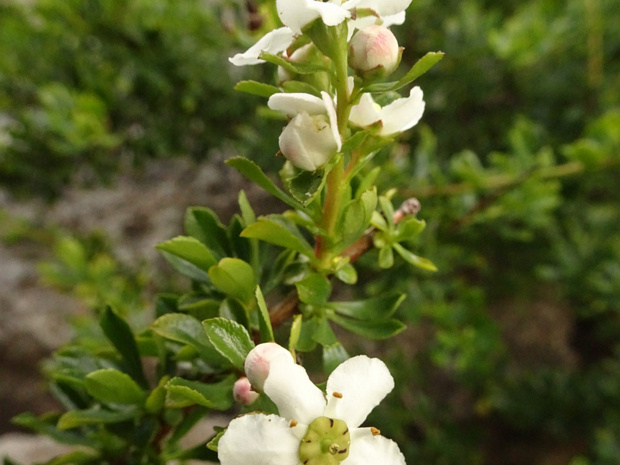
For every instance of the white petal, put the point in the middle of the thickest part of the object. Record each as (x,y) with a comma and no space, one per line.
(333,118)
(294,103)
(403,113)
(383,7)
(258,440)
(331,13)
(363,382)
(297,398)
(273,42)
(393,20)
(297,14)
(367,449)
(366,112)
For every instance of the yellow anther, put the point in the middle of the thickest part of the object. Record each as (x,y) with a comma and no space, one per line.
(375,431)
(337,395)
(293,423)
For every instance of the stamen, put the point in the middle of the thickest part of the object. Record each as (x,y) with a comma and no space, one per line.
(292,424)
(375,431)
(337,395)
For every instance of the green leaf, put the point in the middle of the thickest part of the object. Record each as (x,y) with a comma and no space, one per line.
(264,321)
(294,86)
(323,332)
(247,213)
(76,457)
(408,228)
(257,88)
(305,185)
(387,209)
(357,215)
(386,257)
(189,256)
(371,329)
(121,336)
(280,231)
(156,399)
(183,393)
(204,225)
(347,274)
(413,259)
(253,172)
(376,308)
(95,416)
(235,278)
(187,330)
(314,289)
(295,334)
(46,425)
(419,68)
(112,386)
(333,356)
(233,309)
(212,444)
(354,141)
(292,66)
(230,339)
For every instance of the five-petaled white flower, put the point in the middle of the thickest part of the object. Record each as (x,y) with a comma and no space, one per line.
(311,138)
(398,116)
(297,14)
(311,430)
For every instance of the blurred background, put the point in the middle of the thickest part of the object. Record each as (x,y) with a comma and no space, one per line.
(116,115)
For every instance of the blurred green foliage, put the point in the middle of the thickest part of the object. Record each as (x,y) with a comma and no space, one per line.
(91,86)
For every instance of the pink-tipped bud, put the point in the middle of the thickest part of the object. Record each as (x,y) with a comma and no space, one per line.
(243,393)
(259,360)
(374,48)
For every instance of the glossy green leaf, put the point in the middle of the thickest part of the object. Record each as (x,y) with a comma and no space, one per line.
(234,277)
(280,231)
(204,225)
(333,356)
(187,330)
(112,386)
(264,321)
(419,68)
(371,329)
(300,86)
(122,338)
(156,399)
(347,274)
(295,333)
(95,416)
(354,141)
(314,289)
(183,393)
(46,425)
(230,339)
(413,259)
(257,88)
(376,308)
(304,186)
(323,332)
(409,228)
(188,256)
(357,215)
(254,173)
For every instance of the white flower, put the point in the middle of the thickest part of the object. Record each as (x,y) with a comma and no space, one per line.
(273,42)
(297,14)
(258,361)
(311,428)
(243,393)
(373,47)
(311,138)
(398,116)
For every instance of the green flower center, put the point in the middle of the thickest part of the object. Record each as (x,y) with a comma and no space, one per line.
(326,442)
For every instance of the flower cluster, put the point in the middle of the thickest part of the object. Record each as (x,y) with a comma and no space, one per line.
(322,119)
(313,428)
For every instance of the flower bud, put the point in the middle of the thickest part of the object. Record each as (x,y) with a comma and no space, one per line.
(243,393)
(373,47)
(259,360)
(308,142)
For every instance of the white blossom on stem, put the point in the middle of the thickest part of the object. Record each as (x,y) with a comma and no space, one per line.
(273,42)
(311,138)
(310,428)
(398,116)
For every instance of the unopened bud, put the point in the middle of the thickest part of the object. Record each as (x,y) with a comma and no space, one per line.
(259,360)
(243,393)
(308,141)
(374,48)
